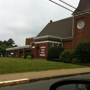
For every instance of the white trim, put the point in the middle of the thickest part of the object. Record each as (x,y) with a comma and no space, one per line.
(80,24)
(46,36)
(47,42)
(43,55)
(50,36)
(42,52)
(33,47)
(81,13)
(21,47)
(43,47)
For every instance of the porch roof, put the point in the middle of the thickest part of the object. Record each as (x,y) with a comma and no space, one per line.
(21,47)
(50,37)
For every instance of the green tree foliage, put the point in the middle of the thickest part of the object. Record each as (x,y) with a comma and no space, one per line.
(0,42)
(11,42)
(82,51)
(54,52)
(65,56)
(6,44)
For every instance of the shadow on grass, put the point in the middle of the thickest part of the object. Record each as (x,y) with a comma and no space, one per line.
(81,64)
(85,64)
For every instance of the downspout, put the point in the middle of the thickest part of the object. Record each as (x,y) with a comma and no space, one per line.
(61,41)
(73,27)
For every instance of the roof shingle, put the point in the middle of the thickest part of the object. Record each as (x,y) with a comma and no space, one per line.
(61,28)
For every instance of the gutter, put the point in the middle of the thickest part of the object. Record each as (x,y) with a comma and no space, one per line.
(16,48)
(61,41)
(67,39)
(55,37)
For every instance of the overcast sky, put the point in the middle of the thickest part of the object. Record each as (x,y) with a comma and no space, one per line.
(21,19)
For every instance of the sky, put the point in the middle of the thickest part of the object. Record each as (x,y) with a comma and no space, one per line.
(21,19)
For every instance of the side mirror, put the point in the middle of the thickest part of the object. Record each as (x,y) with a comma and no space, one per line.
(69,84)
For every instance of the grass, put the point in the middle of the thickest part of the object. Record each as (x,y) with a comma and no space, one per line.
(16,65)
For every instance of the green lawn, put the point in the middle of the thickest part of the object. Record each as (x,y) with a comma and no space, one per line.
(15,65)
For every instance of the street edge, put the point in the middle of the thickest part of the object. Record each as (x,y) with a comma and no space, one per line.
(27,80)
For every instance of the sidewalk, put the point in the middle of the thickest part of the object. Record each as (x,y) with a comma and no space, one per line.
(19,78)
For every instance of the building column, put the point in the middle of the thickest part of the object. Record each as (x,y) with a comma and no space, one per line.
(36,51)
(23,51)
(13,53)
(18,54)
(6,54)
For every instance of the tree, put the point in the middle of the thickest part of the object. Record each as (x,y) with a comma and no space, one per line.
(6,44)
(11,42)
(0,42)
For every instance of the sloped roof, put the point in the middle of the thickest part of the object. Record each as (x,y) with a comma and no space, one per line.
(84,5)
(61,28)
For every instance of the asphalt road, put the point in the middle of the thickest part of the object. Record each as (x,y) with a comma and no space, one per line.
(41,85)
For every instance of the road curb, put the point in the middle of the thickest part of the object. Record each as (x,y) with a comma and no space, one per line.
(27,80)
(58,76)
(14,82)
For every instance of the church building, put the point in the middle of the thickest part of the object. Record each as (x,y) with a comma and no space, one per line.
(67,33)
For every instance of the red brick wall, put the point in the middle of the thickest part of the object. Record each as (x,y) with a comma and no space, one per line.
(81,34)
(35,50)
(67,45)
(28,41)
(41,50)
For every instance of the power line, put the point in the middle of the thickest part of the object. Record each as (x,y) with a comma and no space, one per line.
(68,5)
(73,7)
(60,5)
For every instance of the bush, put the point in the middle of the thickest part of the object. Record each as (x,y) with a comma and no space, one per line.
(31,54)
(82,51)
(29,57)
(54,52)
(65,56)
(73,55)
(22,56)
(76,61)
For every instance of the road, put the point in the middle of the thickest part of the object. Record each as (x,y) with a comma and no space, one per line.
(41,85)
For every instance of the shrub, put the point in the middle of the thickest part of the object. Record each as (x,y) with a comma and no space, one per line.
(73,55)
(31,54)
(82,51)
(29,57)
(54,52)
(76,61)
(65,56)
(22,56)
